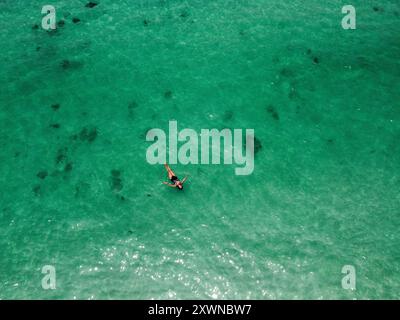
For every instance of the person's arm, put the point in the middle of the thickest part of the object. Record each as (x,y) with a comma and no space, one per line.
(184,179)
(170,185)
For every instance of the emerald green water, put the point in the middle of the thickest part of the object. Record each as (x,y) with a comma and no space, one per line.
(325,106)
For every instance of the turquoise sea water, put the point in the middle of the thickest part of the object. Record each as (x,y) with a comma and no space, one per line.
(77,192)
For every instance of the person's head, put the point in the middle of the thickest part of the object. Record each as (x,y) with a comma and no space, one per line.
(179,185)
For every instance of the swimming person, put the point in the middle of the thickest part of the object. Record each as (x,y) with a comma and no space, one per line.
(176,183)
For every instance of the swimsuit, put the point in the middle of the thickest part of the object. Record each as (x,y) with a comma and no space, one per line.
(174,179)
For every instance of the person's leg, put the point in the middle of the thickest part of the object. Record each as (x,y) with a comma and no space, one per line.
(170,172)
